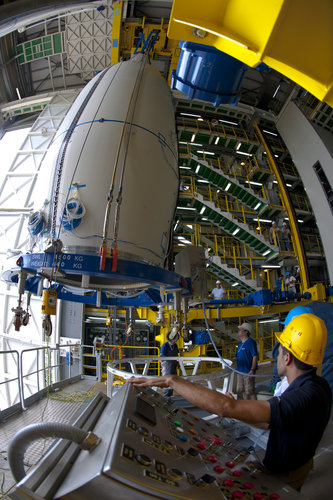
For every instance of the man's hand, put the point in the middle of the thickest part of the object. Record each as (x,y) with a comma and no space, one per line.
(150,382)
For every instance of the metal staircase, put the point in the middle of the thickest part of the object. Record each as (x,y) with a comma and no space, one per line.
(229,184)
(230,274)
(234,227)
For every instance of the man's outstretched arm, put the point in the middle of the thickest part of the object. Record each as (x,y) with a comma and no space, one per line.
(250,411)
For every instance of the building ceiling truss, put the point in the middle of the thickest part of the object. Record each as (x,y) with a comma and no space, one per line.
(17,190)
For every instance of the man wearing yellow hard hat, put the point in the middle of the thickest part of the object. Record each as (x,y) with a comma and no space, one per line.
(296,419)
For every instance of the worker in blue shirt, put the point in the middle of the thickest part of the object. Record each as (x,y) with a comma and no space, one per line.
(247,363)
(296,419)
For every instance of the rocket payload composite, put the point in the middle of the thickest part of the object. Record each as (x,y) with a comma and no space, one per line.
(114,182)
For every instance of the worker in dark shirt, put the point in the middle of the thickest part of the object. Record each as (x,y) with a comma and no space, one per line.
(296,419)
(169,367)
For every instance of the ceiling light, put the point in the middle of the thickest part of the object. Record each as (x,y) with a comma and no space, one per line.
(227,121)
(288,185)
(192,138)
(195,144)
(269,132)
(301,221)
(228,186)
(276,90)
(217,140)
(186,208)
(242,153)
(190,114)
(257,206)
(202,210)
(185,168)
(238,146)
(18,93)
(269,321)
(253,183)
(203,181)
(236,231)
(205,152)
(262,220)
(270,266)
(235,284)
(266,253)
(182,142)
(197,169)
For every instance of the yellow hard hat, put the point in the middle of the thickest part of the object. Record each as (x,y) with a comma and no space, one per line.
(305,337)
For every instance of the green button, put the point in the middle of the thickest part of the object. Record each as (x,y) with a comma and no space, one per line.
(176,422)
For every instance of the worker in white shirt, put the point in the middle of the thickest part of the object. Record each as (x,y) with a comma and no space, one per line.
(217,292)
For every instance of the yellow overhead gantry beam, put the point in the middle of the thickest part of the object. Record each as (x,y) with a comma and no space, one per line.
(294,37)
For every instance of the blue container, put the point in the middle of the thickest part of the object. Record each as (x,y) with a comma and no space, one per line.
(208,74)
(200,337)
(69,358)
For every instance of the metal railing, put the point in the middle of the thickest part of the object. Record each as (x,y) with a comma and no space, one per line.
(215,372)
(94,358)
(37,370)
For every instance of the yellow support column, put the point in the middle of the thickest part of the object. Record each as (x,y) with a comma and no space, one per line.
(116,27)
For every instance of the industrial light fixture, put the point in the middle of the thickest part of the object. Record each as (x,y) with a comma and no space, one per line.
(269,132)
(190,114)
(276,156)
(18,93)
(301,221)
(202,210)
(288,185)
(276,90)
(205,152)
(238,146)
(197,169)
(235,284)
(189,226)
(217,140)
(269,321)
(186,208)
(262,220)
(182,142)
(257,206)
(243,153)
(270,266)
(216,33)
(203,181)
(228,186)
(266,253)
(192,138)
(236,231)
(195,144)
(185,168)
(227,121)
(253,183)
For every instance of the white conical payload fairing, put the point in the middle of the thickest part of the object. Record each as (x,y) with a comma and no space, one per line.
(114,163)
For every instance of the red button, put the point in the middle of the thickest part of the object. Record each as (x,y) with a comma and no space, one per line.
(212,459)
(217,441)
(218,468)
(237,473)
(248,486)
(258,496)
(230,464)
(228,482)
(274,496)
(238,494)
(202,446)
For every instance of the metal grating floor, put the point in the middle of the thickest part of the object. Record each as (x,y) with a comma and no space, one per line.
(61,406)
